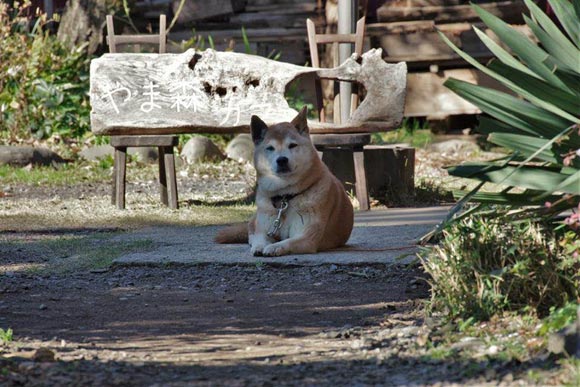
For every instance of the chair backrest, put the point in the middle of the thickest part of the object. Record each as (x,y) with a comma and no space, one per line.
(314,40)
(159,39)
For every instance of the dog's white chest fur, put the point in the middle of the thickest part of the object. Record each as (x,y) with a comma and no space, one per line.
(294,222)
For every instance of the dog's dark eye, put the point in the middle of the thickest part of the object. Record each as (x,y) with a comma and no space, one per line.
(293,145)
(270,148)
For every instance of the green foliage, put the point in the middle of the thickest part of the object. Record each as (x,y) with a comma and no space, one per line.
(296,101)
(412,131)
(559,318)
(65,174)
(6,336)
(492,261)
(44,84)
(540,126)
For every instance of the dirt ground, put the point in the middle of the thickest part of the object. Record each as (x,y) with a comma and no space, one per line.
(219,325)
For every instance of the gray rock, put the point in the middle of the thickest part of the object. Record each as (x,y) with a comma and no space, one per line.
(21,156)
(454,146)
(200,148)
(241,148)
(144,154)
(564,341)
(97,152)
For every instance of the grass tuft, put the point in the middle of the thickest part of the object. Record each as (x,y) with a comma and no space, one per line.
(486,265)
(6,336)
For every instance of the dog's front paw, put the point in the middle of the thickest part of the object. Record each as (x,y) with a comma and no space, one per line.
(275,250)
(257,250)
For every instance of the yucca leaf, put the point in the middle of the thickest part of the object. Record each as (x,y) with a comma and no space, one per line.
(488,125)
(550,27)
(502,54)
(526,145)
(569,16)
(576,4)
(509,109)
(560,49)
(567,75)
(524,48)
(518,199)
(507,82)
(537,178)
(570,102)
(570,185)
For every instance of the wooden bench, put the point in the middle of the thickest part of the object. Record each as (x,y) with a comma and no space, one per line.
(217,92)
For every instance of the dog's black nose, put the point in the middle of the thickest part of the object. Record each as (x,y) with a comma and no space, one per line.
(282,161)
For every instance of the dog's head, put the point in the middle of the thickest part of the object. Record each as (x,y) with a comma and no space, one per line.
(283,149)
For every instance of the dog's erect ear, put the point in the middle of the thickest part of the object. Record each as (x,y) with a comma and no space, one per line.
(300,122)
(258,128)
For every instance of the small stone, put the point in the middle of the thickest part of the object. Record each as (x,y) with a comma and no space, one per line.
(199,149)
(42,307)
(241,148)
(564,341)
(144,154)
(44,355)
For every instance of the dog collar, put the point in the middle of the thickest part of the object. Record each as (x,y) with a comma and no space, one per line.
(278,200)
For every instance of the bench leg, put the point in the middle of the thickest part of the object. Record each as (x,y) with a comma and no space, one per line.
(114,183)
(120,169)
(162,176)
(362,193)
(172,178)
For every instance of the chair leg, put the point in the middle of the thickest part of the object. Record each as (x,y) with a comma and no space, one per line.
(162,176)
(114,184)
(362,193)
(170,173)
(120,174)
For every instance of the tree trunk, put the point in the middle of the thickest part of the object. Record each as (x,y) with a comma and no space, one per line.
(83,21)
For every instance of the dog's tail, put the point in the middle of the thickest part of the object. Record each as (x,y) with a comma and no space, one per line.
(236,233)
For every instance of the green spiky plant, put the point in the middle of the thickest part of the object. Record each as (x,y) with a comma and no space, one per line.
(540,124)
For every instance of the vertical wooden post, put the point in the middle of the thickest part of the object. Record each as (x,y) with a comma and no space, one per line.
(111,34)
(121,165)
(162,34)
(361,187)
(162,176)
(311,30)
(170,172)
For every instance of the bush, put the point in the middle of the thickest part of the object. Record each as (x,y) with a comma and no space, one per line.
(44,84)
(487,264)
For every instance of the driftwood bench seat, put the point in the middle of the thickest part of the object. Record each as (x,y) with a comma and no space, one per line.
(218,92)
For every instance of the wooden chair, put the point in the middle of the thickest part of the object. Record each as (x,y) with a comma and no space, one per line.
(353,142)
(164,144)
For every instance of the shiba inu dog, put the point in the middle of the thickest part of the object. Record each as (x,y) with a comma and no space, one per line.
(301,207)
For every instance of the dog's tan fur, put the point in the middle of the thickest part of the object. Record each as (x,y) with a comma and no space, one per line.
(319,216)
